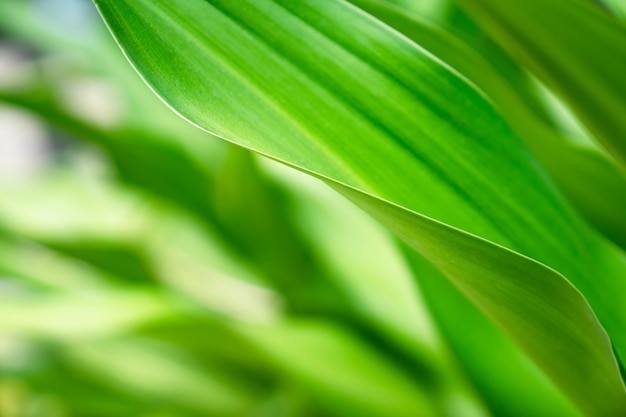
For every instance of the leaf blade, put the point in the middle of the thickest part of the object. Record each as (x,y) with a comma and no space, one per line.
(321,87)
(567,57)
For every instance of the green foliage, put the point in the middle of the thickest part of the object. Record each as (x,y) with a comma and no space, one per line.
(156,270)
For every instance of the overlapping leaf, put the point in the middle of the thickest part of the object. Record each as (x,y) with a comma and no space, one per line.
(452,313)
(327,89)
(583,57)
(472,336)
(591,181)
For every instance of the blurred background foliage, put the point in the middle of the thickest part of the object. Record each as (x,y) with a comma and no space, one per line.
(147,269)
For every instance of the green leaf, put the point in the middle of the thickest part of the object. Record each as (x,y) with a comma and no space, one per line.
(471,335)
(591,181)
(156,371)
(492,279)
(341,371)
(283,256)
(189,185)
(583,58)
(618,7)
(366,263)
(137,153)
(327,89)
(104,226)
(104,313)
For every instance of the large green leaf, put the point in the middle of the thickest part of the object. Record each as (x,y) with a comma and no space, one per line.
(582,172)
(325,88)
(583,57)
(471,336)
(592,182)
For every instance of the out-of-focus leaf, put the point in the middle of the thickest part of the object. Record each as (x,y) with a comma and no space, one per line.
(567,57)
(618,7)
(231,200)
(120,234)
(323,359)
(30,22)
(327,89)
(341,371)
(254,211)
(76,317)
(187,184)
(45,269)
(366,263)
(164,374)
(97,224)
(53,390)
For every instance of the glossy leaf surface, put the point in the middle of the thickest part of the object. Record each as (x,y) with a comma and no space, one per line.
(328,89)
